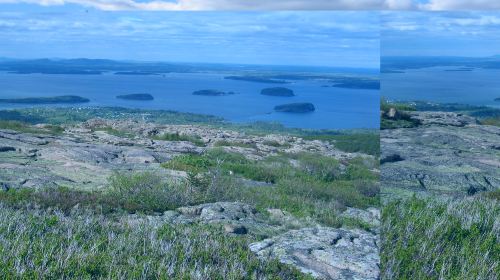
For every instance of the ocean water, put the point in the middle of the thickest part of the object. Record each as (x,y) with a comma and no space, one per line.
(476,87)
(336,108)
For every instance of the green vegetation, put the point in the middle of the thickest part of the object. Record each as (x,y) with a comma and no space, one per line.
(295,108)
(212,92)
(65,99)
(277,91)
(395,115)
(38,244)
(368,143)
(491,121)
(136,96)
(224,143)
(59,116)
(430,239)
(26,128)
(316,186)
(276,144)
(180,137)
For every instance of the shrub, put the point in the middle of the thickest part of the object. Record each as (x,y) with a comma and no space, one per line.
(180,137)
(224,143)
(147,192)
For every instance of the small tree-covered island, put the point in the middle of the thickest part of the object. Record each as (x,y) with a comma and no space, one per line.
(295,108)
(278,91)
(68,99)
(212,92)
(137,96)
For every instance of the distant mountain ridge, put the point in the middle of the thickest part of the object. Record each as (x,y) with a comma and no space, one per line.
(394,63)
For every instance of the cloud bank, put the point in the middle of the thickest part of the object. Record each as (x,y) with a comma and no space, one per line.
(186,5)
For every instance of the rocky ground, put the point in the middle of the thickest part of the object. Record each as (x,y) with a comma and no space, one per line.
(447,154)
(83,156)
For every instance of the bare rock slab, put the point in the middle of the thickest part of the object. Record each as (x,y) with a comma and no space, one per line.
(325,253)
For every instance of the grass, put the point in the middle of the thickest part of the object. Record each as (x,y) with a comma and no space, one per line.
(27,128)
(180,137)
(431,239)
(491,121)
(368,143)
(38,244)
(276,144)
(224,143)
(316,186)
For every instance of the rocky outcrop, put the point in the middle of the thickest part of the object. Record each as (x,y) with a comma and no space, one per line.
(325,253)
(443,118)
(370,216)
(84,155)
(447,154)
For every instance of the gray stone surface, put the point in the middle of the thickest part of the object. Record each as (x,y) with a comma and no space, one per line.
(448,154)
(325,253)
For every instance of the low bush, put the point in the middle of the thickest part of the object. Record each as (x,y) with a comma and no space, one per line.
(180,137)
(224,143)
(27,128)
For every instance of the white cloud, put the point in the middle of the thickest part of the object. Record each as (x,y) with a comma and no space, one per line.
(441,5)
(163,5)
(173,5)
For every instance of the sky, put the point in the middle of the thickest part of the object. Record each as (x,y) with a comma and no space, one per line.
(155,5)
(453,33)
(316,38)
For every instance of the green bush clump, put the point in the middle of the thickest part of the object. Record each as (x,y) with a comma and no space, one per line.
(368,143)
(180,137)
(116,132)
(430,239)
(401,119)
(315,186)
(27,128)
(224,143)
(147,192)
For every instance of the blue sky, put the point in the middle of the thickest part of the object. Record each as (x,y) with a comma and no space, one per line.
(457,33)
(322,38)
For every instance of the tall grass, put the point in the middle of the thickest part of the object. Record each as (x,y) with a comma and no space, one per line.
(38,244)
(431,239)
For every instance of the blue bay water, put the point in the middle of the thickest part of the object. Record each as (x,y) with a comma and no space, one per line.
(336,108)
(476,87)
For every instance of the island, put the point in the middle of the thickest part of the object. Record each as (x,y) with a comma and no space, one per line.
(277,91)
(256,79)
(136,96)
(295,108)
(139,73)
(462,69)
(212,92)
(357,84)
(497,99)
(63,99)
